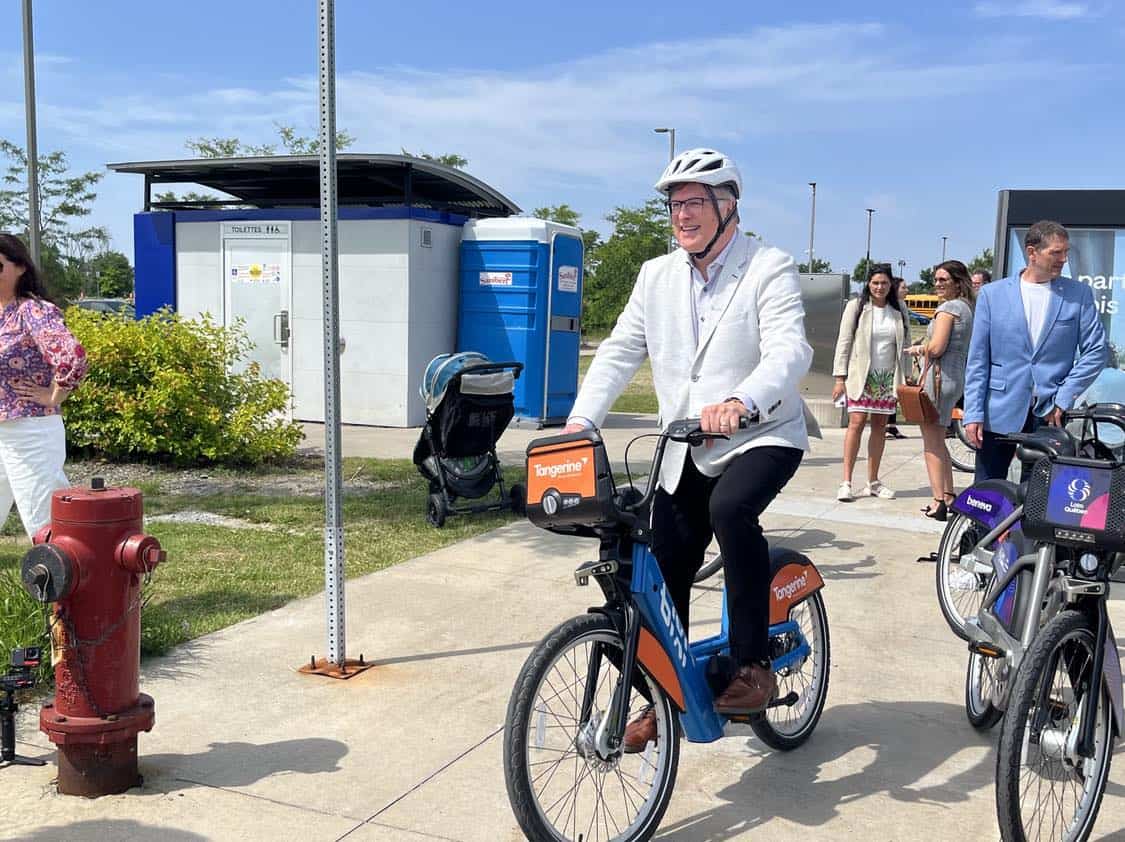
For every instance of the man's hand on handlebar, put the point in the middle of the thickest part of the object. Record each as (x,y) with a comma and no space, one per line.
(572,428)
(722,418)
(1056,417)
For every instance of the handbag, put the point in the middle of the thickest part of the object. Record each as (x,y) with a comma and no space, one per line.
(913,402)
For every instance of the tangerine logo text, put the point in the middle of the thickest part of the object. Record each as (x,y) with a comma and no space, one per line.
(791,587)
(561,469)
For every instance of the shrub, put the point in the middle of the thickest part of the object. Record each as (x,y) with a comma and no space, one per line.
(173,389)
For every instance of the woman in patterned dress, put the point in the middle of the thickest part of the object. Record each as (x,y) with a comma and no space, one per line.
(868,369)
(40,364)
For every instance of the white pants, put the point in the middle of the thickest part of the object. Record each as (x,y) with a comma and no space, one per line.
(32,452)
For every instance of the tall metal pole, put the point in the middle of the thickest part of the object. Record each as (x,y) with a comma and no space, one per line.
(32,145)
(870,213)
(333,476)
(812,226)
(901,269)
(943,239)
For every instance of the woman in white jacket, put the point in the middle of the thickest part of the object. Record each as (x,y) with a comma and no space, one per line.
(868,368)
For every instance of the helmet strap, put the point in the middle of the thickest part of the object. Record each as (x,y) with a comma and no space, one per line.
(723,223)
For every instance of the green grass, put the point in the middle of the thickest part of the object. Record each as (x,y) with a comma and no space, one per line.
(216,576)
(638,396)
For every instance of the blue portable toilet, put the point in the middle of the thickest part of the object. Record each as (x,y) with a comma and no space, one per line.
(521,299)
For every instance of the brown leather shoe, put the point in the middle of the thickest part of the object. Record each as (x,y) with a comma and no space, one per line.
(640,731)
(750,691)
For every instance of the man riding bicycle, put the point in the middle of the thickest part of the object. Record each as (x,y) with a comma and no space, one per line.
(722,321)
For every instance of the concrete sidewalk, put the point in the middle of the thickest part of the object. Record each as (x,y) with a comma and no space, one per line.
(245,748)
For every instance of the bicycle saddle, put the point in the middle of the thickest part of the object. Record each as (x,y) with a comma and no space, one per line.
(1046,441)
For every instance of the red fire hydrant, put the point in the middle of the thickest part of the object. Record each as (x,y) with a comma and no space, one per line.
(90,562)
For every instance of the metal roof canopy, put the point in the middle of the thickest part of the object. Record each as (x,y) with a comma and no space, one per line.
(294,181)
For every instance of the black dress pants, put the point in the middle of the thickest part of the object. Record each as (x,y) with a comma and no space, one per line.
(995,456)
(726,507)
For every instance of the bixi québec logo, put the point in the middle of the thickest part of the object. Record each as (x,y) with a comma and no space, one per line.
(791,587)
(1078,490)
(561,469)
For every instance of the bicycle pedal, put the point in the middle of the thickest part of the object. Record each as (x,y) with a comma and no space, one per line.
(986,649)
(788,700)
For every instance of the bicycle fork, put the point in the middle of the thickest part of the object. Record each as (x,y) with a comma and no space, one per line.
(609,733)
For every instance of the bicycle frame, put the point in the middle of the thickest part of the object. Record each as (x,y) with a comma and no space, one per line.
(657,638)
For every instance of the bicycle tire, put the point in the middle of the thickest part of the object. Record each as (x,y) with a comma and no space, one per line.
(979,678)
(709,569)
(959,592)
(776,727)
(530,717)
(962,454)
(1065,635)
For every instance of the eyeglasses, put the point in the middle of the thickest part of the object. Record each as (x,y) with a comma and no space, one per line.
(675,206)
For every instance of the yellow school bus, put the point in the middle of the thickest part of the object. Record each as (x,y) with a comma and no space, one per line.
(924,304)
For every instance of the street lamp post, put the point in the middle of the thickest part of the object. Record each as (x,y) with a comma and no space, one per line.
(812,226)
(870,213)
(32,146)
(671,140)
(901,269)
(943,239)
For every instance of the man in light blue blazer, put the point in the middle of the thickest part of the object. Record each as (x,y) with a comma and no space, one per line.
(1037,344)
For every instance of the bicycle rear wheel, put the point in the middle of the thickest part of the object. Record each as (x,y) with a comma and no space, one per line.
(1044,789)
(561,786)
(785,727)
(980,688)
(962,454)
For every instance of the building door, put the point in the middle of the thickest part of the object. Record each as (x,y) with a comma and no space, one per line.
(258,291)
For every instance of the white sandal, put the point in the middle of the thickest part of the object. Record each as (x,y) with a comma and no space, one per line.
(875,488)
(844,492)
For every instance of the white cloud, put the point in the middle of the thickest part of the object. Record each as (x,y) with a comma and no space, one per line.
(1047,9)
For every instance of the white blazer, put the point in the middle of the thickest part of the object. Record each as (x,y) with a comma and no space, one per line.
(756,347)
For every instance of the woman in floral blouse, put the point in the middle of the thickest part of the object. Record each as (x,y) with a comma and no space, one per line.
(868,368)
(40,364)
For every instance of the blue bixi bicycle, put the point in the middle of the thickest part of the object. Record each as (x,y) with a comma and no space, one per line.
(567,772)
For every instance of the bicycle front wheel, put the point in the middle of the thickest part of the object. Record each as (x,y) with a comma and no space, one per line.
(561,782)
(1044,788)
(960,592)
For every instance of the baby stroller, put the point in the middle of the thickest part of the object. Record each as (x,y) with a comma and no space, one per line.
(468,406)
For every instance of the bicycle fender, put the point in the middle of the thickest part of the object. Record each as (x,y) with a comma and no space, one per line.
(988,502)
(793,579)
(1111,675)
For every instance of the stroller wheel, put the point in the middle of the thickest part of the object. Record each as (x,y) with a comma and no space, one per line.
(517,495)
(436,511)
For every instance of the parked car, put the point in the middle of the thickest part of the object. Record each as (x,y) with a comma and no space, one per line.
(918,318)
(108,305)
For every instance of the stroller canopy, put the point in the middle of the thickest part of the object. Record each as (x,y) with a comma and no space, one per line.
(444,367)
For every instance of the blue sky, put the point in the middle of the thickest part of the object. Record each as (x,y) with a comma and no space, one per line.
(921,111)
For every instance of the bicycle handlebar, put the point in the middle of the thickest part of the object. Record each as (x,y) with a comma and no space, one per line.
(687,431)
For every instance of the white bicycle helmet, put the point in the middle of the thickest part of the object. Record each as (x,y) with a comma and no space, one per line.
(711,169)
(701,166)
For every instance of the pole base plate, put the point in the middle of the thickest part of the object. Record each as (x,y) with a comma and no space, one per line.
(322,666)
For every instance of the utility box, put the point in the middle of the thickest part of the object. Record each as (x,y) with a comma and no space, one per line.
(520,299)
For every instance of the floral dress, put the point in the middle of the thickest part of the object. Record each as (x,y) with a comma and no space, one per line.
(879,397)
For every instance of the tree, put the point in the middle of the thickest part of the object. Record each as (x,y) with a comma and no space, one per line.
(984,260)
(819,265)
(925,281)
(64,200)
(450,159)
(564,214)
(863,269)
(112,274)
(639,234)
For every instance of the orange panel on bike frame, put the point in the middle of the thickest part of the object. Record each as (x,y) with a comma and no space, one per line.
(656,661)
(567,468)
(791,584)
